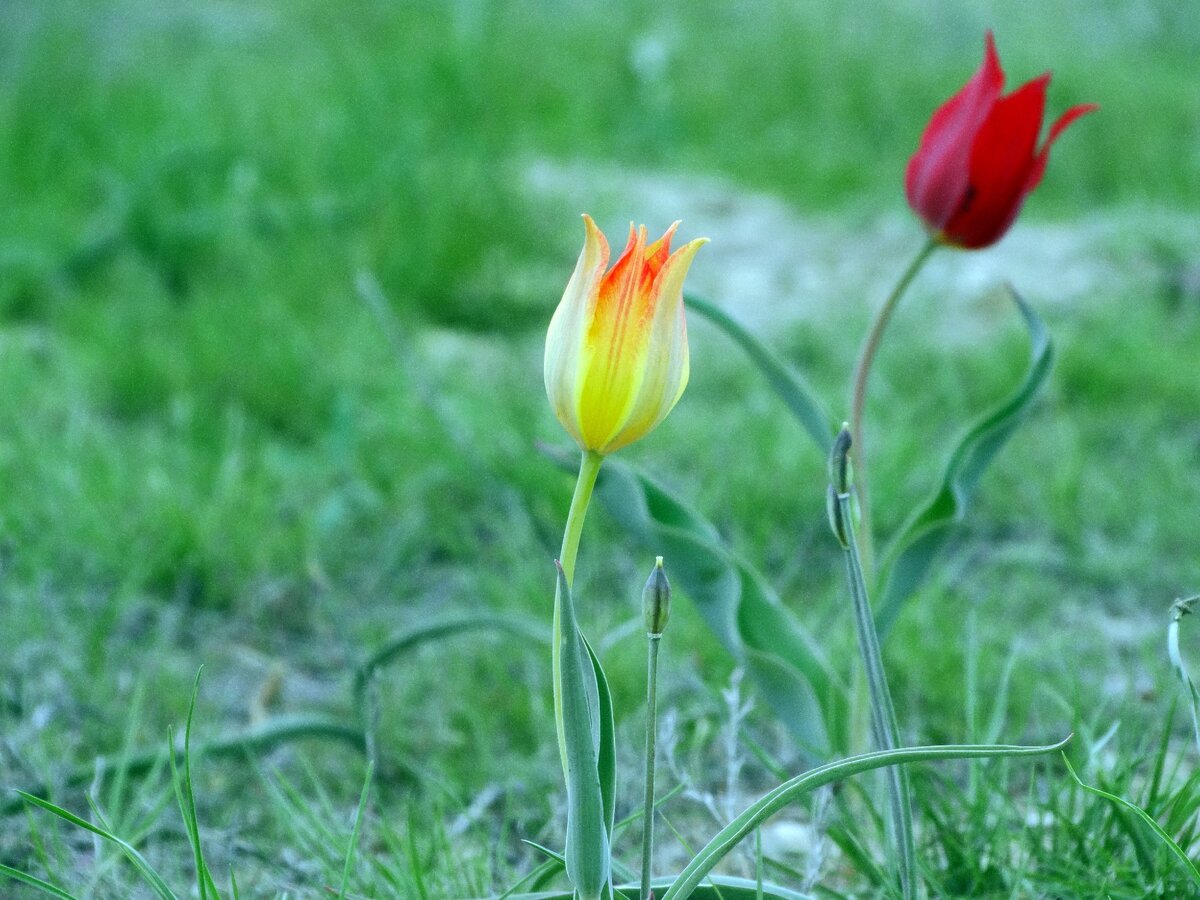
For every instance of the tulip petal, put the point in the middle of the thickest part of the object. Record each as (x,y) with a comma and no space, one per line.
(616,344)
(1059,126)
(666,367)
(936,180)
(567,334)
(1001,161)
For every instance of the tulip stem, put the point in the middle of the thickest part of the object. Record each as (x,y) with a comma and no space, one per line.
(653,641)
(884,727)
(589,468)
(862,372)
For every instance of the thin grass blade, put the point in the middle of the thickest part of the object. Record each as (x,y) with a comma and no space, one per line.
(139,862)
(44,886)
(1169,842)
(354,832)
(790,791)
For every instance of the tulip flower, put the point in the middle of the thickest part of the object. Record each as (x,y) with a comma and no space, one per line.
(616,351)
(978,158)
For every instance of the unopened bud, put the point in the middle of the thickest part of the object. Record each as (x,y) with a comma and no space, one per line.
(833,507)
(841,477)
(656,599)
(841,473)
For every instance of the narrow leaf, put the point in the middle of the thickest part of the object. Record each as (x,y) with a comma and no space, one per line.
(271,733)
(790,791)
(587,851)
(139,861)
(910,553)
(783,379)
(44,886)
(606,760)
(1176,850)
(186,798)
(352,846)
(409,639)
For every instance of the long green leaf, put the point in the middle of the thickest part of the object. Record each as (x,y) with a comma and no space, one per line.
(139,861)
(790,791)
(1167,840)
(587,853)
(186,797)
(408,639)
(789,384)
(606,756)
(735,601)
(44,886)
(910,553)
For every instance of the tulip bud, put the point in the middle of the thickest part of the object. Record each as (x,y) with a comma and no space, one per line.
(656,600)
(841,473)
(616,351)
(1179,609)
(841,478)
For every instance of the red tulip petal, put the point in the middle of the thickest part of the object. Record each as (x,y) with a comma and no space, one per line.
(1039,164)
(937,177)
(1001,161)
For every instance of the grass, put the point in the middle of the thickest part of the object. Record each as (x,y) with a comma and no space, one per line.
(272,291)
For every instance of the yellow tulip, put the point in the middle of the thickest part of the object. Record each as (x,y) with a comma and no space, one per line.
(616,351)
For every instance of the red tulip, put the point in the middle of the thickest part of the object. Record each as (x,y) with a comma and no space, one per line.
(978,157)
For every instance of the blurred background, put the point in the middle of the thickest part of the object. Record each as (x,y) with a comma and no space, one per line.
(274,279)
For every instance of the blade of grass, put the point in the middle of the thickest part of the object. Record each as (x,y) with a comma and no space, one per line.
(416,868)
(358,817)
(1188,866)
(790,791)
(44,886)
(187,798)
(138,861)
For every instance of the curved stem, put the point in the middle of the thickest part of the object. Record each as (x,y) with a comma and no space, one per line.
(651,728)
(862,371)
(589,468)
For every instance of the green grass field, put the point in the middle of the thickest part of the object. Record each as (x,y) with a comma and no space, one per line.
(274,282)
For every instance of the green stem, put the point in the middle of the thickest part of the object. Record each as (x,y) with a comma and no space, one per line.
(883,713)
(862,371)
(589,468)
(653,641)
